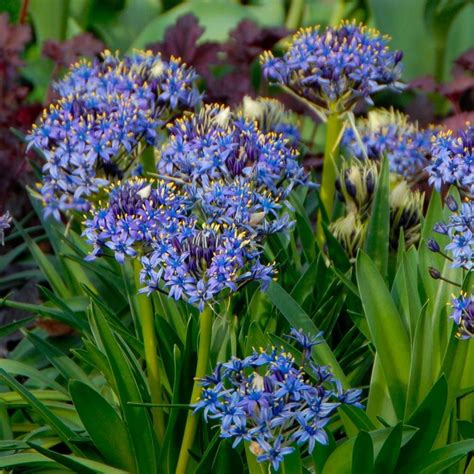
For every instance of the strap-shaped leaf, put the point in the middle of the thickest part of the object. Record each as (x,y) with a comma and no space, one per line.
(388,333)
(104,425)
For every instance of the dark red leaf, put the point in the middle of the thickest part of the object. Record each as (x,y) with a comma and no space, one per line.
(68,52)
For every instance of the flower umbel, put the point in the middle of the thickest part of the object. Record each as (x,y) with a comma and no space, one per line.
(92,135)
(453,160)
(334,68)
(270,401)
(460,230)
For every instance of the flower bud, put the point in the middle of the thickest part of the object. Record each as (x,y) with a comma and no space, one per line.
(434,273)
(451,203)
(433,245)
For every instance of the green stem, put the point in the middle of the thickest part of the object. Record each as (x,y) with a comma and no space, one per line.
(148,161)
(205,332)
(147,322)
(331,150)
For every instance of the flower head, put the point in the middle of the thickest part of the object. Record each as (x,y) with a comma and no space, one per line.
(5,220)
(203,262)
(453,160)
(237,172)
(105,112)
(139,214)
(337,66)
(270,401)
(389,133)
(463,315)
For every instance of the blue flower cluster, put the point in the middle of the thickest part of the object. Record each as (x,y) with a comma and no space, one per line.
(205,262)
(272,401)
(139,214)
(389,133)
(5,220)
(453,160)
(460,229)
(237,173)
(105,111)
(335,67)
(198,230)
(463,315)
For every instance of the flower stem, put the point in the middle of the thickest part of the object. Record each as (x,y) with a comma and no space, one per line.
(205,332)
(333,130)
(147,322)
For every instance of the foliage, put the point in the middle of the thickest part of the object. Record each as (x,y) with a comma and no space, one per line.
(378,372)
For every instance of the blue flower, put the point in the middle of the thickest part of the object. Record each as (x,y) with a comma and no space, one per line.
(335,67)
(90,136)
(274,453)
(271,402)
(453,160)
(236,172)
(138,213)
(305,342)
(460,229)
(310,433)
(463,315)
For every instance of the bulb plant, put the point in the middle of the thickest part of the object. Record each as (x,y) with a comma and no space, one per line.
(210,330)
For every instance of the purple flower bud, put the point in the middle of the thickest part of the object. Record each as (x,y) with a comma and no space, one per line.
(434,273)
(433,245)
(451,203)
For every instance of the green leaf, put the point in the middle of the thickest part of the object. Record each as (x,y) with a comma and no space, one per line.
(14,367)
(104,425)
(298,319)
(63,431)
(378,231)
(336,252)
(136,418)
(32,460)
(227,459)
(340,460)
(8,329)
(53,276)
(440,459)
(428,417)
(363,454)
(77,465)
(65,365)
(421,378)
(358,417)
(387,330)
(387,458)
(466,428)
(50,22)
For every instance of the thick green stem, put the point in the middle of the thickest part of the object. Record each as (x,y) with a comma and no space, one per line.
(331,150)
(147,322)
(205,332)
